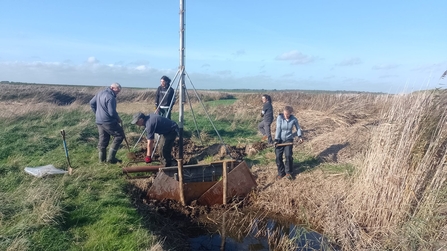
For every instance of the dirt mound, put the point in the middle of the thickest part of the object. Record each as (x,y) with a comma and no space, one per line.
(194,153)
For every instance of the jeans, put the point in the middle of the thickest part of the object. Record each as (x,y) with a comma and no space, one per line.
(288,167)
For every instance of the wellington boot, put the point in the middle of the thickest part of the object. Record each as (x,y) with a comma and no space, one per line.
(102,155)
(112,157)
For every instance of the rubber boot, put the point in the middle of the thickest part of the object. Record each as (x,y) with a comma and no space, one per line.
(102,155)
(112,157)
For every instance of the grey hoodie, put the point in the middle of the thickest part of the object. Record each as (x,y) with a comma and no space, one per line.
(284,128)
(103,105)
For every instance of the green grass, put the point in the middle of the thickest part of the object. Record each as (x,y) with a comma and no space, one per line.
(231,130)
(220,102)
(89,210)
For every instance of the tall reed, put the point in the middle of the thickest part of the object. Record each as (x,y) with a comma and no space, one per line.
(402,175)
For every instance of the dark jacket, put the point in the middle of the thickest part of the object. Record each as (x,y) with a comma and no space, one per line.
(161,99)
(267,112)
(158,124)
(103,104)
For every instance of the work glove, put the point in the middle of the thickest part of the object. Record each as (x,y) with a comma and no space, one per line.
(148,159)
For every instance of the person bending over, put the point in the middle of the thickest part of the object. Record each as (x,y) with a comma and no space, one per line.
(165,127)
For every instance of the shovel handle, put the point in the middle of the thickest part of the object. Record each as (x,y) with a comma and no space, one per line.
(285,144)
(125,138)
(66,151)
(65,143)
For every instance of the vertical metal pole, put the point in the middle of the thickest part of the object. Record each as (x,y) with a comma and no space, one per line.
(225,183)
(181,99)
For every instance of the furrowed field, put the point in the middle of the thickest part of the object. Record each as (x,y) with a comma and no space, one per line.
(370,174)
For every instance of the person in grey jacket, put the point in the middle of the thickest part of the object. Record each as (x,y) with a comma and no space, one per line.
(163,98)
(267,115)
(284,134)
(103,104)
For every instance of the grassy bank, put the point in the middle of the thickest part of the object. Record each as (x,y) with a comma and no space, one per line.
(89,210)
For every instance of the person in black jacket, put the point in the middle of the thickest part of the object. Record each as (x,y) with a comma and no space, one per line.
(163,98)
(267,114)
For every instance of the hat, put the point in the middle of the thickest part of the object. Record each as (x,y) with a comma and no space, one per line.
(136,117)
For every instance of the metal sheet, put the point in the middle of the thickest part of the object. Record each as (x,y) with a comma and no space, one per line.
(166,187)
(240,183)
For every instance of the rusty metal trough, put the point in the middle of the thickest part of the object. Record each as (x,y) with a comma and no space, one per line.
(208,184)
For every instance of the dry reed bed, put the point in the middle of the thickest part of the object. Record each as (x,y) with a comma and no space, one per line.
(395,200)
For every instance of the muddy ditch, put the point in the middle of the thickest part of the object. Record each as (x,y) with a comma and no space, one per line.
(235,226)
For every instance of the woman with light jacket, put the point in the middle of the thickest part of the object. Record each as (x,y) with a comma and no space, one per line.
(284,141)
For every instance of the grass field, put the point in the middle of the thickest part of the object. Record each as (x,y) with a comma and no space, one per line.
(370,174)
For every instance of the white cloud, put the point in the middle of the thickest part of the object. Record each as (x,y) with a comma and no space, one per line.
(142,75)
(239,53)
(141,68)
(288,75)
(225,72)
(296,57)
(92,60)
(385,66)
(389,76)
(350,62)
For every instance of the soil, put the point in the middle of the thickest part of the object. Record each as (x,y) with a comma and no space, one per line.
(194,154)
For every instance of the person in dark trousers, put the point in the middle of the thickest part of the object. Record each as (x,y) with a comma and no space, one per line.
(267,115)
(163,98)
(165,127)
(284,134)
(108,122)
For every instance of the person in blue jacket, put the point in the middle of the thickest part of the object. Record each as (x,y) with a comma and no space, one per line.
(285,122)
(108,122)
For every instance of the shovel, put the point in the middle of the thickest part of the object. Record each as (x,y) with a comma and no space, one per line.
(130,154)
(70,170)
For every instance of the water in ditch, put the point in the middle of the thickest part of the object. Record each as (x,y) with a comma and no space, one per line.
(253,231)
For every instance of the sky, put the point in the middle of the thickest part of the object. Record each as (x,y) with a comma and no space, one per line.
(374,46)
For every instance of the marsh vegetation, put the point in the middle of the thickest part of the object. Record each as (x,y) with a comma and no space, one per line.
(370,175)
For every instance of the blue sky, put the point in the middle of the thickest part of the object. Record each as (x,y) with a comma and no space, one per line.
(380,46)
